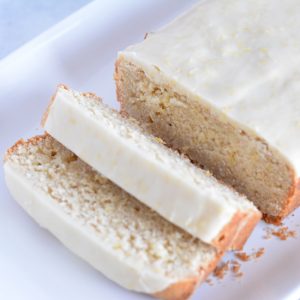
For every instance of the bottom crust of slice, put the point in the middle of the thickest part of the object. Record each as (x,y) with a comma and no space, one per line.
(183,290)
(178,291)
(236,233)
(244,232)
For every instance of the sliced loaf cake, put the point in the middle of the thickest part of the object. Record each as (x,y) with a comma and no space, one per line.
(156,175)
(221,85)
(101,223)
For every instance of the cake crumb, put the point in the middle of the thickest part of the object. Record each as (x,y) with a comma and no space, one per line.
(246,257)
(284,233)
(238,275)
(221,270)
(231,267)
(242,256)
(236,269)
(209,281)
(260,252)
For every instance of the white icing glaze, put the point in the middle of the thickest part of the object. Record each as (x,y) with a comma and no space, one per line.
(127,272)
(201,209)
(241,57)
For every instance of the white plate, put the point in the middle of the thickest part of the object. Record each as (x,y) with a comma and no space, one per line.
(80,52)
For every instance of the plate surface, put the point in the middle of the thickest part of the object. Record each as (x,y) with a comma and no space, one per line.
(80,52)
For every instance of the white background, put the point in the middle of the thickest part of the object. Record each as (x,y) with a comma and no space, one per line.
(80,52)
(22,20)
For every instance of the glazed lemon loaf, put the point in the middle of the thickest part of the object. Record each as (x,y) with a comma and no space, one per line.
(157,176)
(101,223)
(221,84)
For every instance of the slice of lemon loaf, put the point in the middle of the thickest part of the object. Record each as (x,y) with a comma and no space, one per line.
(156,175)
(221,85)
(101,223)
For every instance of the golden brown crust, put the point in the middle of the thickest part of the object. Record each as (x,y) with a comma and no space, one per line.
(63,86)
(183,290)
(243,235)
(212,265)
(13,148)
(119,94)
(294,198)
(235,234)
(275,220)
(91,95)
(225,239)
(179,291)
(293,201)
(25,143)
(45,115)
(116,78)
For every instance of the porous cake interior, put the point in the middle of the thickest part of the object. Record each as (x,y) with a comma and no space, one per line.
(152,148)
(127,227)
(234,155)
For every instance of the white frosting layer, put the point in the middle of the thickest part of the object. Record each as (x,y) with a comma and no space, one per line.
(242,57)
(202,209)
(49,214)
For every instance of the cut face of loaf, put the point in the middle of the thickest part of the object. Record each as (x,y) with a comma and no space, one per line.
(98,221)
(157,176)
(224,90)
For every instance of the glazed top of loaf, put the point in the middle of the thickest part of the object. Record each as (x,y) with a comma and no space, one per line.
(242,57)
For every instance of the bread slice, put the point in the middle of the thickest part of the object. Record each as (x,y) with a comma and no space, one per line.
(101,223)
(140,164)
(220,84)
